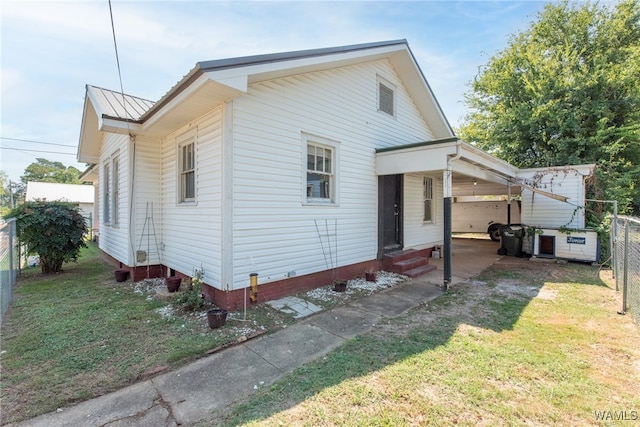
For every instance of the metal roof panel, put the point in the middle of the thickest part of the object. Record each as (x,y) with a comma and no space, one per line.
(117,105)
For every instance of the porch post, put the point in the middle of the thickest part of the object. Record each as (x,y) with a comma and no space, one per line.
(446,179)
(509,203)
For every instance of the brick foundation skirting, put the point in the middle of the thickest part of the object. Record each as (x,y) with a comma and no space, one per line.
(137,273)
(234,300)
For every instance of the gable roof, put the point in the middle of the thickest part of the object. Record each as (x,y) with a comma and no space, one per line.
(214,82)
(117,105)
(100,105)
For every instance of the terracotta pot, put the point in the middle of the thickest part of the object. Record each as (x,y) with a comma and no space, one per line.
(340,286)
(370,276)
(121,275)
(173,283)
(216,318)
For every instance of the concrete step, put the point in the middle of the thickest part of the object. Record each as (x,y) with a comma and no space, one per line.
(409,264)
(396,257)
(420,270)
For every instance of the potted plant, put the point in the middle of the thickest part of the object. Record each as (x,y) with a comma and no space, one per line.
(340,285)
(370,275)
(173,283)
(216,317)
(121,275)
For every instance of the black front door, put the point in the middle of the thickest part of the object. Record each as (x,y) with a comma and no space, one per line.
(390,212)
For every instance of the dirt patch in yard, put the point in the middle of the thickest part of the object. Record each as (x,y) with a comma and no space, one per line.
(520,344)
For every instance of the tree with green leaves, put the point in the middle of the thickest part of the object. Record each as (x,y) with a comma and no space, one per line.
(43,170)
(11,193)
(5,196)
(567,91)
(53,230)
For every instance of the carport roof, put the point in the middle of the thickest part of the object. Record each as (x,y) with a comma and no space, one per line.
(417,144)
(437,154)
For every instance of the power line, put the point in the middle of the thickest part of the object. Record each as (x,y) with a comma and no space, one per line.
(115,45)
(36,142)
(36,151)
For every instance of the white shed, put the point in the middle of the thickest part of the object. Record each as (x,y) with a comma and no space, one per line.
(82,195)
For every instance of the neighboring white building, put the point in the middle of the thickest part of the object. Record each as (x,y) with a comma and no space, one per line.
(82,195)
(299,166)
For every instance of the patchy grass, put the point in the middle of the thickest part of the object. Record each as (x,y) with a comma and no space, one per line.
(80,334)
(525,344)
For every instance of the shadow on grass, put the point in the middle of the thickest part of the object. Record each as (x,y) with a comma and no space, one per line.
(510,289)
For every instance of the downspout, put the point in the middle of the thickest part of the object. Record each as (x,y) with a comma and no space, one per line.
(132,180)
(448,241)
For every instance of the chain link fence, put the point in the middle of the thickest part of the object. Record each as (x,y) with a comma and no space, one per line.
(9,263)
(625,241)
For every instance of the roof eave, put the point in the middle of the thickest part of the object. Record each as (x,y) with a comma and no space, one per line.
(90,137)
(237,73)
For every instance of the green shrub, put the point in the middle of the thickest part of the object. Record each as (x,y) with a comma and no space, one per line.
(52,230)
(192,299)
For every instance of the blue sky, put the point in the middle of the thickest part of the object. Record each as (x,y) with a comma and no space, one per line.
(52,49)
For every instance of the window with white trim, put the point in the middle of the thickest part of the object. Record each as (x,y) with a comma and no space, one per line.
(187,170)
(427,192)
(386,97)
(115,196)
(106,193)
(321,156)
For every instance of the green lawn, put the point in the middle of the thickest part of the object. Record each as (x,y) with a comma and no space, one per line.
(79,334)
(536,344)
(527,343)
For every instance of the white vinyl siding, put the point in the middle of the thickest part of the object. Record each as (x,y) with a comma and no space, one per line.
(191,233)
(114,240)
(274,234)
(147,202)
(418,233)
(543,211)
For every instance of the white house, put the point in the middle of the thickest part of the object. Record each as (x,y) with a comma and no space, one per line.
(301,167)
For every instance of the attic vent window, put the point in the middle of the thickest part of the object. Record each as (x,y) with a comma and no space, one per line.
(386,97)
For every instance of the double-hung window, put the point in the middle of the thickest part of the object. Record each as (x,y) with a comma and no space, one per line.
(115,196)
(321,170)
(187,170)
(427,191)
(106,193)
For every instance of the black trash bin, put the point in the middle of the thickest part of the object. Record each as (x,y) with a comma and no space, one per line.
(511,240)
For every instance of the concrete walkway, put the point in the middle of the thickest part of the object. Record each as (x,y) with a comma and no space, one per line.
(189,394)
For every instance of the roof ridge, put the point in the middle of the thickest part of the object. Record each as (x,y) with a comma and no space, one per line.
(120,93)
(242,61)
